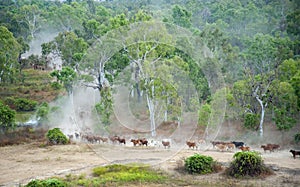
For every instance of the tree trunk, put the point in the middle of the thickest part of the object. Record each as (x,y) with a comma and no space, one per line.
(261,130)
(151,107)
(138,91)
(152,115)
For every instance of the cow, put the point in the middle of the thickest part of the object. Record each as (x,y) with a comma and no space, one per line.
(97,139)
(265,147)
(113,139)
(135,142)
(238,144)
(244,148)
(230,146)
(214,143)
(295,153)
(191,144)
(77,135)
(104,140)
(221,147)
(166,143)
(274,146)
(121,140)
(143,141)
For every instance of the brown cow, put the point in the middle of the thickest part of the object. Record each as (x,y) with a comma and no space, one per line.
(143,141)
(221,147)
(244,148)
(166,144)
(214,143)
(191,144)
(274,146)
(113,139)
(230,146)
(121,140)
(135,142)
(265,147)
(98,138)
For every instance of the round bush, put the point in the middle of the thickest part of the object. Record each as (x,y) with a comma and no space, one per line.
(55,136)
(199,164)
(247,164)
(23,104)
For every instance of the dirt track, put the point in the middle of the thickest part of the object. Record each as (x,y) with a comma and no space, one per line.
(22,163)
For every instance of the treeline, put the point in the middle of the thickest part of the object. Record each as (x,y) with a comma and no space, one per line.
(254,43)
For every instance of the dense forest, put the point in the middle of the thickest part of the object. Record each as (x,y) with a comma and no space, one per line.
(238,59)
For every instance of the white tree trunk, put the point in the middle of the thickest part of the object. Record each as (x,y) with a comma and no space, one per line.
(261,130)
(150,104)
(166,111)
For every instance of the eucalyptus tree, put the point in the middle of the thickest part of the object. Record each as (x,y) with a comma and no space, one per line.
(67,17)
(145,54)
(31,15)
(285,90)
(68,46)
(9,54)
(262,58)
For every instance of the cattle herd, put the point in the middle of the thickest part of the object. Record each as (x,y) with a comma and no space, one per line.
(166,143)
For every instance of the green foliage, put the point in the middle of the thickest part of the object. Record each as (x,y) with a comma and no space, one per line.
(199,164)
(118,21)
(297,138)
(69,46)
(282,120)
(9,53)
(7,117)
(42,112)
(247,164)
(56,85)
(181,16)
(55,136)
(251,121)
(127,173)
(66,76)
(293,23)
(204,114)
(23,104)
(105,107)
(53,182)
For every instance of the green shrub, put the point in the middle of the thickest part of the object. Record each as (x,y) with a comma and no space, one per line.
(297,138)
(10,101)
(43,111)
(200,164)
(247,164)
(7,117)
(251,121)
(55,136)
(46,183)
(56,86)
(23,104)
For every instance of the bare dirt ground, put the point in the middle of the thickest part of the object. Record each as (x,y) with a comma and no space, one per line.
(22,163)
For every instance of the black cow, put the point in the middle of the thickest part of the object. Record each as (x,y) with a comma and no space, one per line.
(238,144)
(295,153)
